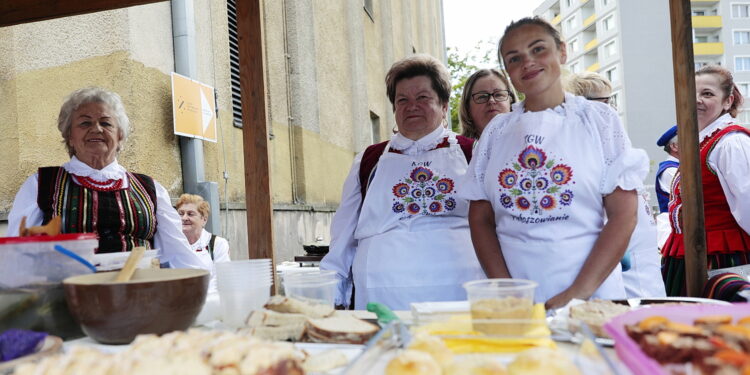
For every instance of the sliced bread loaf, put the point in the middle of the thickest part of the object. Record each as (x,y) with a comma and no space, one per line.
(342,329)
(292,305)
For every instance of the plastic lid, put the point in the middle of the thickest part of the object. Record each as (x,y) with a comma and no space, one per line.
(58,238)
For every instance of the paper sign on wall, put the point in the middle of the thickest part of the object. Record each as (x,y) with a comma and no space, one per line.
(193,108)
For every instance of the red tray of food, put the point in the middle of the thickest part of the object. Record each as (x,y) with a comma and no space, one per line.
(630,351)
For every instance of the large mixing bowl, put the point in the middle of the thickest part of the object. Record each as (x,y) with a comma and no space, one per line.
(153,301)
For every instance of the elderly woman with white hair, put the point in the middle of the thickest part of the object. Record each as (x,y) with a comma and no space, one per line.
(92,192)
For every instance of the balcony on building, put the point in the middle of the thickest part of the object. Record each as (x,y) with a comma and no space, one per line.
(703,2)
(706,23)
(593,67)
(708,49)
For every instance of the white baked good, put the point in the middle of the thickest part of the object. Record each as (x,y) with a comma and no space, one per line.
(542,361)
(325,361)
(433,346)
(292,305)
(595,313)
(476,364)
(413,362)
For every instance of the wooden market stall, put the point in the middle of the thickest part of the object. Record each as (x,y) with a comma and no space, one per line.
(255,139)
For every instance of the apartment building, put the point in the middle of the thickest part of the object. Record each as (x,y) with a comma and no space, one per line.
(628,42)
(721,35)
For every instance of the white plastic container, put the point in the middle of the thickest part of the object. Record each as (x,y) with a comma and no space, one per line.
(244,286)
(33,260)
(318,287)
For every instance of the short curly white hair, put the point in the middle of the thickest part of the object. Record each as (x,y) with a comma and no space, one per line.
(92,95)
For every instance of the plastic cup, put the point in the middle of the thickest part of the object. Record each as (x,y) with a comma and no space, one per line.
(243,286)
(314,287)
(236,305)
(501,307)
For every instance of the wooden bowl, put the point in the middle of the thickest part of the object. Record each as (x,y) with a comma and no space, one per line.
(154,301)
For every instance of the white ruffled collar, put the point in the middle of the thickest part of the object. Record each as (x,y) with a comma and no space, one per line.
(112,171)
(426,143)
(720,123)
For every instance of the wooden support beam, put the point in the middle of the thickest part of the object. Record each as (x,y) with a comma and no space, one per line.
(13,12)
(691,187)
(254,131)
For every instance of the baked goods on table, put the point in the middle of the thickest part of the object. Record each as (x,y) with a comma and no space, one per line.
(185,353)
(542,361)
(712,344)
(296,320)
(595,313)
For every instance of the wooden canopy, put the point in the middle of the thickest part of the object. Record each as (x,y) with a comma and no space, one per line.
(255,139)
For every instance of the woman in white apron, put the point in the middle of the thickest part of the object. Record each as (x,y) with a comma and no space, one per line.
(408,240)
(641,271)
(547,172)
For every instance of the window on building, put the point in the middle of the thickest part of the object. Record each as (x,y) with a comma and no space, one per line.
(741,64)
(612,75)
(575,67)
(369,9)
(609,22)
(700,39)
(743,118)
(234,63)
(744,88)
(572,23)
(742,37)
(741,10)
(568,3)
(573,46)
(610,49)
(699,65)
(375,123)
(606,2)
(614,100)
(699,12)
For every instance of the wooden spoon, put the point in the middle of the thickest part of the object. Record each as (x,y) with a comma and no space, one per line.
(127,271)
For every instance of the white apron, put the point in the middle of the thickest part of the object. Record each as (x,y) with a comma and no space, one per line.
(414,243)
(543,179)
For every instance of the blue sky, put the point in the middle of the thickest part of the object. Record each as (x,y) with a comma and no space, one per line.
(469,23)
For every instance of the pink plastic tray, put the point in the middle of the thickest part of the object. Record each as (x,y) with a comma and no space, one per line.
(629,351)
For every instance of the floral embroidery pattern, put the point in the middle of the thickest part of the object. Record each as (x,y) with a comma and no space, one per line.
(423,193)
(535,183)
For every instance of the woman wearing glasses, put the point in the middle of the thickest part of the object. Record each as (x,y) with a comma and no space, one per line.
(487,93)
(641,265)
(401,234)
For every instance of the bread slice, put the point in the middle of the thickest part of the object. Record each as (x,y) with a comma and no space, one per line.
(595,313)
(293,333)
(340,329)
(259,318)
(292,305)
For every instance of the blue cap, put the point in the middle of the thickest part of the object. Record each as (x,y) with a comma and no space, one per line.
(669,134)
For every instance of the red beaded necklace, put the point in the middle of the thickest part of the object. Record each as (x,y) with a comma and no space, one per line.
(90,183)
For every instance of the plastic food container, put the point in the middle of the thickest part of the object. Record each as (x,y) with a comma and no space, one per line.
(244,286)
(500,306)
(317,286)
(33,260)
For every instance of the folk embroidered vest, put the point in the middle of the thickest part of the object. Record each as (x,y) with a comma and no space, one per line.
(723,234)
(123,219)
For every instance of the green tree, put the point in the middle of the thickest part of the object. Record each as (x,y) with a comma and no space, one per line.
(463,66)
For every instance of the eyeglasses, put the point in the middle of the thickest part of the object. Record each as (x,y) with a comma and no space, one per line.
(483,97)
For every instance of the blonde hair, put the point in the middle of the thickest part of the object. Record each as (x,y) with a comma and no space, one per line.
(203,207)
(587,84)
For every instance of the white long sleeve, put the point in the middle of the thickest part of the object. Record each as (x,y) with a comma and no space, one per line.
(343,244)
(731,161)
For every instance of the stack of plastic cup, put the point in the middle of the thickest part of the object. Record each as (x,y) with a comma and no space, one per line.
(244,286)
(315,287)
